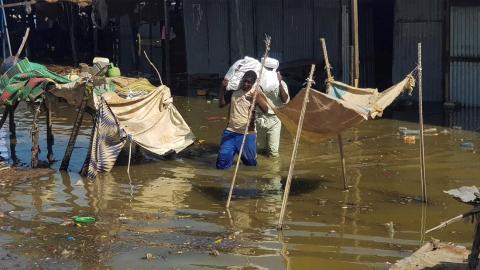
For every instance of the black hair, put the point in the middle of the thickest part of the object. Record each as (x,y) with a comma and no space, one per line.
(250,75)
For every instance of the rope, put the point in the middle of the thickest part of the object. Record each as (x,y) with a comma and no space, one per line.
(129,155)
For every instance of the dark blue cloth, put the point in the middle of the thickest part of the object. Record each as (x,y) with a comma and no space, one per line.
(230,146)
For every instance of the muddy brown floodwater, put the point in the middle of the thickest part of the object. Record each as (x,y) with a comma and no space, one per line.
(171,213)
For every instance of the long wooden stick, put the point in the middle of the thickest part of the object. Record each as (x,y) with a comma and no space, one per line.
(446,223)
(4,116)
(34,134)
(6,28)
(356,53)
(420,109)
(328,68)
(250,112)
(75,131)
(295,148)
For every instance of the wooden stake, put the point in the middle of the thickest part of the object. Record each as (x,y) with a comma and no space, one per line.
(84,170)
(250,112)
(4,116)
(356,53)
(5,25)
(50,138)
(295,148)
(76,129)
(34,134)
(328,68)
(11,120)
(420,109)
(473,257)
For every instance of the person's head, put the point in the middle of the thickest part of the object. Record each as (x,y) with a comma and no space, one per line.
(248,80)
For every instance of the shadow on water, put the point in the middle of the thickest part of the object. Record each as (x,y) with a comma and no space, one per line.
(299,187)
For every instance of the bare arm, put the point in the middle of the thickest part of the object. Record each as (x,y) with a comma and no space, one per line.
(261,101)
(283,91)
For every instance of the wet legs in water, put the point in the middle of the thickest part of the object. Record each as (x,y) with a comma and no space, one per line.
(50,138)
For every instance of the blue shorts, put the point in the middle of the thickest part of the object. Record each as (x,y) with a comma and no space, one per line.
(230,146)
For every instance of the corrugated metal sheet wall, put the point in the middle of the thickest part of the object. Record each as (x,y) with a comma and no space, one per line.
(465,55)
(465,83)
(295,26)
(420,21)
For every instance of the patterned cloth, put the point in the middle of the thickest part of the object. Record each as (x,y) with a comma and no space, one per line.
(26,81)
(107,142)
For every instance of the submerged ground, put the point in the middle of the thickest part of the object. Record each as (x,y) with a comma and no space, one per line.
(171,213)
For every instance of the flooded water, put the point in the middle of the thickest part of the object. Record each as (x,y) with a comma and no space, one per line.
(175,209)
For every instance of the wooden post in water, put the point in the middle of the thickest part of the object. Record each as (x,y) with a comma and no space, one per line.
(34,134)
(295,149)
(328,68)
(473,257)
(420,111)
(50,138)
(250,112)
(76,129)
(11,120)
(4,116)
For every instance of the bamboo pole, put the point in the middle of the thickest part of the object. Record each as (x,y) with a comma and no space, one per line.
(420,109)
(11,120)
(75,131)
(6,28)
(34,134)
(250,112)
(328,68)
(50,137)
(295,149)
(356,52)
(4,116)
(84,170)
(473,257)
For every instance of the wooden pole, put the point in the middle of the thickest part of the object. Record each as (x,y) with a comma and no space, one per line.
(328,68)
(356,53)
(295,149)
(84,170)
(11,120)
(420,109)
(34,134)
(4,116)
(50,137)
(473,257)
(250,112)
(72,34)
(167,41)
(6,28)
(76,129)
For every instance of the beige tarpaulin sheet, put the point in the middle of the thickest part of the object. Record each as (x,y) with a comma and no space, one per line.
(344,107)
(152,121)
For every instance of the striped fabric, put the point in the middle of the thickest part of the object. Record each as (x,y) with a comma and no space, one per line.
(14,82)
(107,142)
